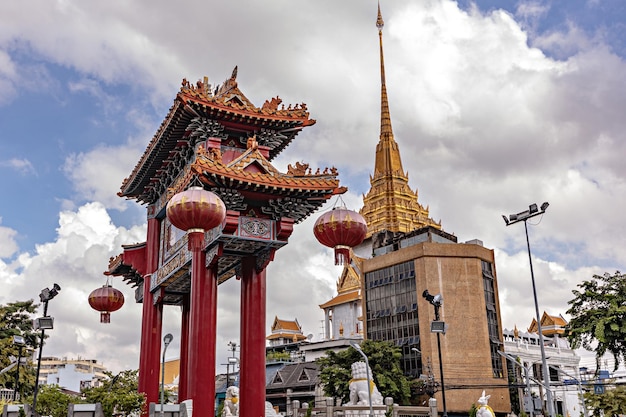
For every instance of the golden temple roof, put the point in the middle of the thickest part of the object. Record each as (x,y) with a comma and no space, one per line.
(391,204)
(550,325)
(286,329)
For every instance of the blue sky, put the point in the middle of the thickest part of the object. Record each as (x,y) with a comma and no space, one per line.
(495,105)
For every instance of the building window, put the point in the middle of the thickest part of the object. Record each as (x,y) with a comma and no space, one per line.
(492,319)
(391,311)
(554,374)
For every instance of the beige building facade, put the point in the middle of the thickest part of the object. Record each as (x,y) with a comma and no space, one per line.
(464,275)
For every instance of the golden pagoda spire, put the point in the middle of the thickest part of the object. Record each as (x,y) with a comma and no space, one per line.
(390,204)
(385,117)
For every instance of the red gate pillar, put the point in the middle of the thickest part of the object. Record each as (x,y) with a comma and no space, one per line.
(184,350)
(202,329)
(252,334)
(149,362)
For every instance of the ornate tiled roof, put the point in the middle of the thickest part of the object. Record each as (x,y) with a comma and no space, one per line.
(342,299)
(253,169)
(280,324)
(286,329)
(200,113)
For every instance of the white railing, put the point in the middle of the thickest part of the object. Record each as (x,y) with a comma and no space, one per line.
(330,410)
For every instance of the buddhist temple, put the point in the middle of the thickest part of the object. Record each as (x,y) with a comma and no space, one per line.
(550,325)
(343,314)
(390,204)
(284,332)
(406,260)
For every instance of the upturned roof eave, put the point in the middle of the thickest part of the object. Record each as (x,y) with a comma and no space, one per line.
(166,139)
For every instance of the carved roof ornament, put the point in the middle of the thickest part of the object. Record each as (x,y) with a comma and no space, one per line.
(228,94)
(390,203)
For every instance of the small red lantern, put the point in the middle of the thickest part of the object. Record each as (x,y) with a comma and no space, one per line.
(196,210)
(106,299)
(341,229)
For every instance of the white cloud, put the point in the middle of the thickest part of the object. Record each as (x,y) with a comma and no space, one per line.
(8,245)
(76,260)
(486,125)
(22,166)
(97,175)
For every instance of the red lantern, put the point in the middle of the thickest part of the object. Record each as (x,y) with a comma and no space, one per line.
(341,229)
(106,300)
(196,210)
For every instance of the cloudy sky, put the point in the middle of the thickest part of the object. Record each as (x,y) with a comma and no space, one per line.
(493,109)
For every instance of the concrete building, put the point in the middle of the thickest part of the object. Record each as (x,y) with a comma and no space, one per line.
(71,374)
(525,366)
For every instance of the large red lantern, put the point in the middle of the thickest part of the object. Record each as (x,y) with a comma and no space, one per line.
(196,210)
(106,299)
(340,229)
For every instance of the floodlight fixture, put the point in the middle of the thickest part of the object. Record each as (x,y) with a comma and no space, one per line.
(44,323)
(48,294)
(438,326)
(19,340)
(532,211)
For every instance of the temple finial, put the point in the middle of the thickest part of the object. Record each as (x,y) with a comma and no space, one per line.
(379,20)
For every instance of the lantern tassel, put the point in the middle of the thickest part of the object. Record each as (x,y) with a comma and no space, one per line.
(105,317)
(342,255)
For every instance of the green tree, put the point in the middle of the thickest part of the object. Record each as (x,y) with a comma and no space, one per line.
(117,394)
(384,359)
(16,320)
(598,313)
(611,403)
(52,401)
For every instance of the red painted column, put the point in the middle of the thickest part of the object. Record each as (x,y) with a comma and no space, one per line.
(184,350)
(202,331)
(252,361)
(149,362)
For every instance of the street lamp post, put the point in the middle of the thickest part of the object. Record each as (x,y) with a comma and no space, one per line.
(527,374)
(232,360)
(43,323)
(523,216)
(20,342)
(166,342)
(368,379)
(438,326)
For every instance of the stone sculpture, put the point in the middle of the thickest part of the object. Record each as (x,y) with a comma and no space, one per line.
(231,402)
(483,409)
(359,388)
